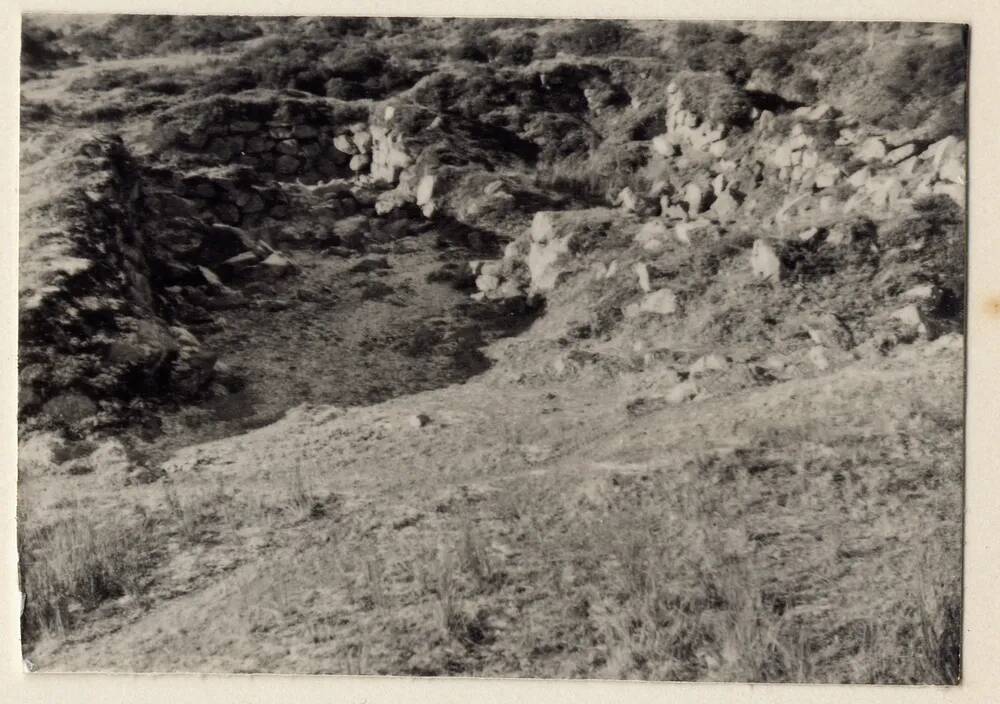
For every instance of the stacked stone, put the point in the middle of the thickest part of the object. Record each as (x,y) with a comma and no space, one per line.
(688,131)
(291,140)
(233,196)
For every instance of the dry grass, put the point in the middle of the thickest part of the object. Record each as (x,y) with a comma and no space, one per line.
(74,565)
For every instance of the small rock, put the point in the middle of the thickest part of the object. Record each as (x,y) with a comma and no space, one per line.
(362,140)
(685,391)
(419,420)
(654,230)
(276,265)
(487,282)
(764,262)
(708,363)
(950,342)
(492,187)
(662,302)
(626,200)
(908,315)
(919,293)
(371,263)
(425,189)
(642,272)
(900,153)
(817,355)
(821,111)
(872,149)
(684,230)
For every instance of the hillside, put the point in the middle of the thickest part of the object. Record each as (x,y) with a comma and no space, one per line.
(493,347)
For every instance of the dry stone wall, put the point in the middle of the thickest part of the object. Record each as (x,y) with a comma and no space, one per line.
(281,138)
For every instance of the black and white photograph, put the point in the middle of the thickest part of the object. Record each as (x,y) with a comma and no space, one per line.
(606,349)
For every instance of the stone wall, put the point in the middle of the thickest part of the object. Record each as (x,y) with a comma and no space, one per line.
(282,138)
(101,331)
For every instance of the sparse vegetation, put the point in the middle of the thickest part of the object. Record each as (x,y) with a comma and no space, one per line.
(393,405)
(75,565)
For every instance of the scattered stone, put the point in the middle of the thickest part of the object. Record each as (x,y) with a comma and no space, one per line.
(872,149)
(642,272)
(362,140)
(919,293)
(626,200)
(652,231)
(897,155)
(826,176)
(541,226)
(817,355)
(707,364)
(725,206)
(860,177)
(776,363)
(908,315)
(240,262)
(685,391)
(487,282)
(694,197)
(718,149)
(210,277)
(419,420)
(820,112)
(663,146)
(371,263)
(684,230)
(492,187)
(764,262)
(425,189)
(662,302)
(276,265)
